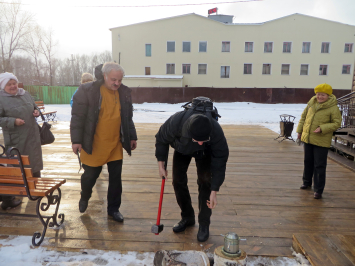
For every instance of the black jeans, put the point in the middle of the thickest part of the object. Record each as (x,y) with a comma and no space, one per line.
(315,165)
(180,165)
(114,192)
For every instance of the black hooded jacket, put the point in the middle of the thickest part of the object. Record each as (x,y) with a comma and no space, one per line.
(86,109)
(174,132)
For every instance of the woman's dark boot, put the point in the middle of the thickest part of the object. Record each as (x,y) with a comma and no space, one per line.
(9,202)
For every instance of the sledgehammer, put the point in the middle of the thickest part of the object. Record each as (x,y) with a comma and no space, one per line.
(157,228)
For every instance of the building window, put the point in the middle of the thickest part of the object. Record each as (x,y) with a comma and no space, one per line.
(202,69)
(249,47)
(266,69)
(268,47)
(325,47)
(148,49)
(348,48)
(186,47)
(225,71)
(226,46)
(170,68)
(186,68)
(346,69)
(323,69)
(306,47)
(287,47)
(170,46)
(247,68)
(285,69)
(147,70)
(304,70)
(202,47)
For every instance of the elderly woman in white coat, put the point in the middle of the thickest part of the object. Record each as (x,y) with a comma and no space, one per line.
(20,130)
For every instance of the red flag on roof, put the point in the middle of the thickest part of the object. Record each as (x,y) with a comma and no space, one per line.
(213,10)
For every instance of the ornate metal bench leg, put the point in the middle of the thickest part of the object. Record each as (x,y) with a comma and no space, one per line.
(38,235)
(61,215)
(45,220)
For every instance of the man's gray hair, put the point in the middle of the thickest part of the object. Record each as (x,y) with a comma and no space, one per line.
(109,66)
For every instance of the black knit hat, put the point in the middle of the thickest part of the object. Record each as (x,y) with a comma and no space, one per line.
(200,127)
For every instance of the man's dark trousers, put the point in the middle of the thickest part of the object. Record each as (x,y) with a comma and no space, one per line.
(315,164)
(180,165)
(114,192)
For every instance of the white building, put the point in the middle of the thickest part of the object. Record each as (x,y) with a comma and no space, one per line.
(295,51)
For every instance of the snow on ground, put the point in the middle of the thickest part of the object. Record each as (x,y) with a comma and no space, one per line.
(17,251)
(240,113)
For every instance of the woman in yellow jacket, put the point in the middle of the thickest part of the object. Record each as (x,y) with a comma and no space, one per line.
(319,120)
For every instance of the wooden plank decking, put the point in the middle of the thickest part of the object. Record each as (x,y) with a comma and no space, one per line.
(260,199)
(326,249)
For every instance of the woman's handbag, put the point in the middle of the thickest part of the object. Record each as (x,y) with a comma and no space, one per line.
(45,133)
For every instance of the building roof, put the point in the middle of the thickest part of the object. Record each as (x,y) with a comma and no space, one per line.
(229,24)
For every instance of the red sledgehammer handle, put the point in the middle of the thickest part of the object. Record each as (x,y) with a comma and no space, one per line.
(161,200)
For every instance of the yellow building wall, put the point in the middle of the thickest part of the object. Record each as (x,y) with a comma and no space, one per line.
(148,82)
(128,46)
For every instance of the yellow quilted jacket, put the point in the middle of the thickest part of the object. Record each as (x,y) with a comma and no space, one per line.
(325,115)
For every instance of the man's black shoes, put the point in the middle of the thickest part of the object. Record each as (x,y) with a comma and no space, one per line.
(183,224)
(305,187)
(203,233)
(83,204)
(117,216)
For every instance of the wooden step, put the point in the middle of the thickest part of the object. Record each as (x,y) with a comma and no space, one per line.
(326,249)
(341,160)
(345,131)
(347,138)
(344,148)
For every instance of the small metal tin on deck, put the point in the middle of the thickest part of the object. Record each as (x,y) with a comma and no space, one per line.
(231,245)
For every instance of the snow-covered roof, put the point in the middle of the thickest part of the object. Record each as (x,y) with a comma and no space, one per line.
(155,76)
(231,24)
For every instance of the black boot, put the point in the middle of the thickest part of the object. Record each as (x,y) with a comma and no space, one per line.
(181,226)
(10,202)
(203,233)
(83,204)
(117,216)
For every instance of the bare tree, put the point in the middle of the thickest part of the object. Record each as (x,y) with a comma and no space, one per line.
(14,26)
(34,49)
(48,45)
(105,56)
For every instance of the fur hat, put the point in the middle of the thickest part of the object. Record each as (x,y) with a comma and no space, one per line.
(324,88)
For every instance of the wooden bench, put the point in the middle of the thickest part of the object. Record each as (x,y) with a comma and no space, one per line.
(49,116)
(18,180)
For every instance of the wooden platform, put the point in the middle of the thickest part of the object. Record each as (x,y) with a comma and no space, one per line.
(326,249)
(260,199)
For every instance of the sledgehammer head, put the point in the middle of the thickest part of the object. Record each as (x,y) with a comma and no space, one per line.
(156,229)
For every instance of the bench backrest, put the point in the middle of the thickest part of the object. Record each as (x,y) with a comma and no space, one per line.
(17,178)
(13,168)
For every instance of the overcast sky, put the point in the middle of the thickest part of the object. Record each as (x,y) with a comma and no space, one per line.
(82,26)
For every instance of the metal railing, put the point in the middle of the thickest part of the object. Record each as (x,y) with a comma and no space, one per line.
(346,106)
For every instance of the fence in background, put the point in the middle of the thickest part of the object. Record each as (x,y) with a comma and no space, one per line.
(51,94)
(62,95)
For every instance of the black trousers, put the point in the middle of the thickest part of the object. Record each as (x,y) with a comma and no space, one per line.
(315,165)
(180,165)
(114,192)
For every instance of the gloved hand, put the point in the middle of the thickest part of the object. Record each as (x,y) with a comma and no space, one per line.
(298,142)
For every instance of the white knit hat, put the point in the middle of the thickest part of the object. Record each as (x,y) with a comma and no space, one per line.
(5,78)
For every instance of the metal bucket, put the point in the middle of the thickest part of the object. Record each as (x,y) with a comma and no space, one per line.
(231,243)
